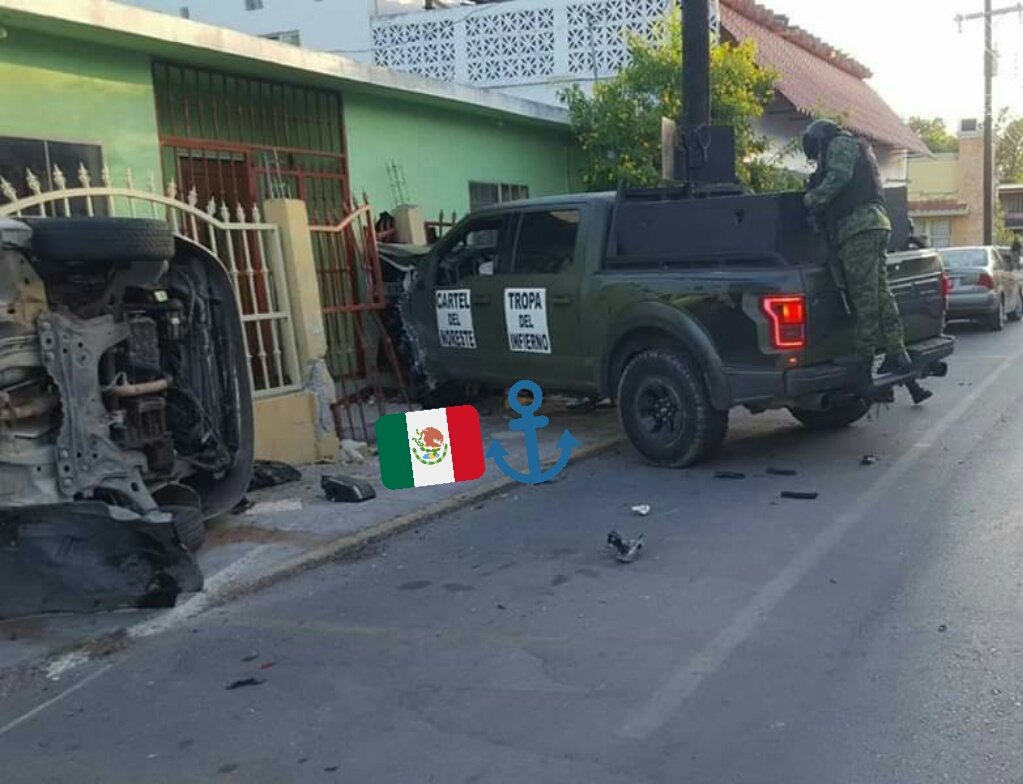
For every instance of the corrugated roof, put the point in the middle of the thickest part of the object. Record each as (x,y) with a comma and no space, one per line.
(816,78)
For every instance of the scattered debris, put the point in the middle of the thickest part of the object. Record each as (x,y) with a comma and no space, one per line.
(347,488)
(781,471)
(833,581)
(625,550)
(641,509)
(275,507)
(942,628)
(242,506)
(251,657)
(868,460)
(353,452)
(580,404)
(331,769)
(729,475)
(271,473)
(799,496)
(501,607)
(267,665)
(243,683)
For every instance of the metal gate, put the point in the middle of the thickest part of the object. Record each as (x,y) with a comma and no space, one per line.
(354,301)
(249,248)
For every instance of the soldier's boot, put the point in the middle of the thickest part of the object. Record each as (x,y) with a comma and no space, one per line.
(917,392)
(895,363)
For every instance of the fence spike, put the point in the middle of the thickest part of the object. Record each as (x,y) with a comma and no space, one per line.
(256,216)
(8,190)
(59,178)
(454,217)
(211,207)
(152,183)
(104,175)
(33,182)
(193,197)
(225,213)
(172,189)
(365,198)
(440,218)
(129,179)
(83,176)
(240,212)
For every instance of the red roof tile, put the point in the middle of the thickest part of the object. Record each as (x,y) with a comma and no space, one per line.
(938,205)
(815,77)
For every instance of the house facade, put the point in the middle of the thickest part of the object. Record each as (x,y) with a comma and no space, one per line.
(534,48)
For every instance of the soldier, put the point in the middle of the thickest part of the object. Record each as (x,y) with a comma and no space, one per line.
(848,198)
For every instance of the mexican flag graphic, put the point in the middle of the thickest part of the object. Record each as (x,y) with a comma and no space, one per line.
(432,447)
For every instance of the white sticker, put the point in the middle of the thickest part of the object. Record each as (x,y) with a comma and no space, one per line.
(525,315)
(454,318)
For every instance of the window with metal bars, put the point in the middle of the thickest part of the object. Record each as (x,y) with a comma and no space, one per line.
(483,194)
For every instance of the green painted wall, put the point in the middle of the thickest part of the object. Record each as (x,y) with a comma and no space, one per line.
(63,90)
(441,150)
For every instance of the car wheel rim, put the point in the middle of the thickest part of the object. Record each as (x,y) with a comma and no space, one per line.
(660,410)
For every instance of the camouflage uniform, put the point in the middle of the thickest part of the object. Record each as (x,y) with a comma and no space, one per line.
(862,241)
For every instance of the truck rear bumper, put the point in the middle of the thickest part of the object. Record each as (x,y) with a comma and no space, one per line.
(801,382)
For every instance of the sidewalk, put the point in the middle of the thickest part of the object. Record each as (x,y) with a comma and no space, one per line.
(292,527)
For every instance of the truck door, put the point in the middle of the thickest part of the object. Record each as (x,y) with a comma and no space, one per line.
(541,299)
(458,312)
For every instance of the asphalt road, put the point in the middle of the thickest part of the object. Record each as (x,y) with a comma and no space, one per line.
(872,635)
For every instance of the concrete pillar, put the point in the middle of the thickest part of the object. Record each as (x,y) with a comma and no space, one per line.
(292,219)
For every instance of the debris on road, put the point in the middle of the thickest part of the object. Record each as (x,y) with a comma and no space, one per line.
(353,452)
(868,460)
(241,684)
(942,628)
(275,507)
(271,473)
(799,496)
(641,509)
(781,471)
(625,550)
(250,657)
(242,506)
(267,665)
(729,475)
(348,489)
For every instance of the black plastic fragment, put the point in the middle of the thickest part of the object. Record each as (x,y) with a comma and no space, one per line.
(781,471)
(241,684)
(348,489)
(798,495)
(729,475)
(270,473)
(868,460)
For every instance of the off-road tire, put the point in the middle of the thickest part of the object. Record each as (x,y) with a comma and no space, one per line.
(101,240)
(695,428)
(996,321)
(832,418)
(1017,313)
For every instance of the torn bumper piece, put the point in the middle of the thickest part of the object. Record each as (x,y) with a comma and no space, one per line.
(89,556)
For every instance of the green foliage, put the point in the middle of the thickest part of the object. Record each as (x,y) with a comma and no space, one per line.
(619,128)
(1009,159)
(934,134)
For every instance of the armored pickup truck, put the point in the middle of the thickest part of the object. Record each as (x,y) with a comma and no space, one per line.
(679,309)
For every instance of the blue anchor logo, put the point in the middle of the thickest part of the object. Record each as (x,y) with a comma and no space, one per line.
(528,424)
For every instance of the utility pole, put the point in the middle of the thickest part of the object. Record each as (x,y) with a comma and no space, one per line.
(989,73)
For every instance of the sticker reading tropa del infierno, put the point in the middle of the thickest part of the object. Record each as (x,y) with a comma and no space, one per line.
(454,318)
(525,316)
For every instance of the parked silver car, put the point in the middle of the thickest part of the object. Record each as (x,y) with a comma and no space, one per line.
(985,285)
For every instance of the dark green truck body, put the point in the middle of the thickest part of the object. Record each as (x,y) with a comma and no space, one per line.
(618,277)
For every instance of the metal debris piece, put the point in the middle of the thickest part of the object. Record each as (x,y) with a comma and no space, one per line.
(942,628)
(799,496)
(781,471)
(729,475)
(348,489)
(353,452)
(242,506)
(868,460)
(240,684)
(271,473)
(641,509)
(625,550)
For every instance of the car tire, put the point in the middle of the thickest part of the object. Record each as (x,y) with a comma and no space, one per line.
(996,321)
(1017,313)
(833,418)
(188,525)
(101,240)
(665,409)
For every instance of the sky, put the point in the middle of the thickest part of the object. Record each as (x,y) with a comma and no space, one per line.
(922,64)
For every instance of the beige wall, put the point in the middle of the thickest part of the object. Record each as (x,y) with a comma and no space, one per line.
(970,187)
(932,178)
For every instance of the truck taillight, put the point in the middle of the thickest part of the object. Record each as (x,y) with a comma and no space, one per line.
(787,314)
(946,285)
(985,280)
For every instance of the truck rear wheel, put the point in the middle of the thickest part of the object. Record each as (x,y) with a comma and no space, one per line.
(665,409)
(834,417)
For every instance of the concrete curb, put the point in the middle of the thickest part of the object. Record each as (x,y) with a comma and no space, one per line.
(350,544)
(231,588)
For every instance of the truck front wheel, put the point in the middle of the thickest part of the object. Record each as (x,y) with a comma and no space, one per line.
(665,409)
(834,417)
